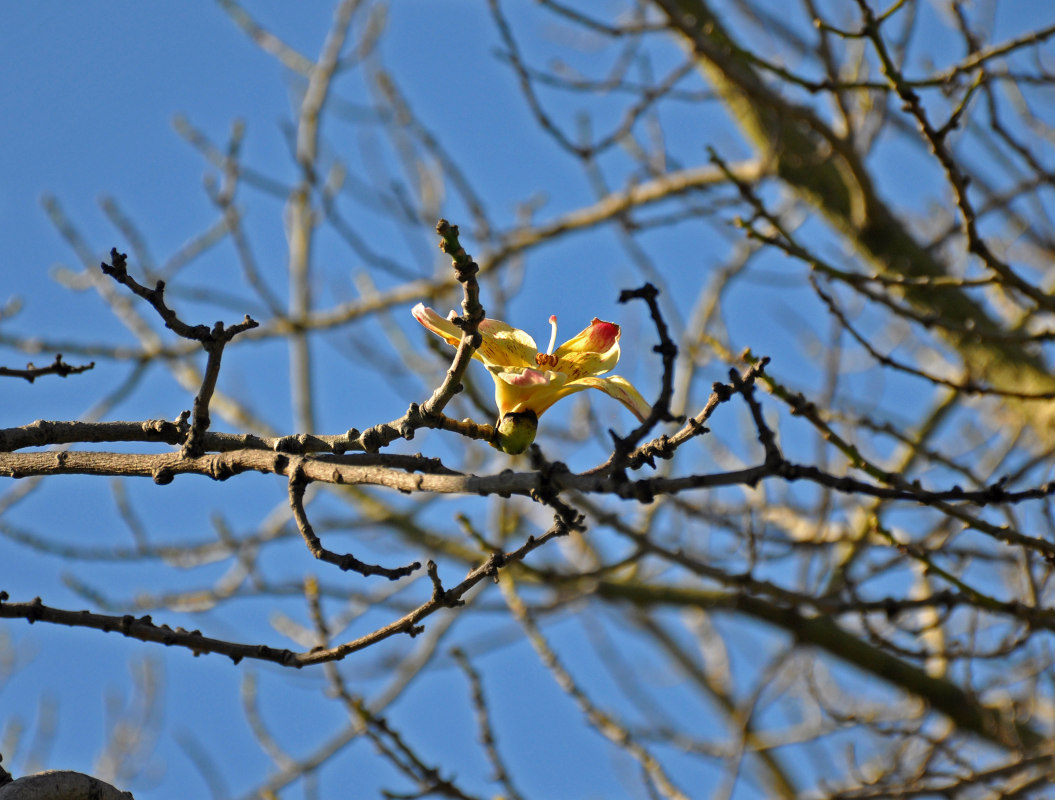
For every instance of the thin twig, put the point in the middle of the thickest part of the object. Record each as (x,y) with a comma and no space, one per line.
(212,340)
(298,483)
(56,367)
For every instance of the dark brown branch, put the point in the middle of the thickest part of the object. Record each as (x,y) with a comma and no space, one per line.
(144,629)
(665,446)
(213,340)
(56,367)
(967,386)
(297,484)
(765,433)
(430,413)
(937,139)
(661,408)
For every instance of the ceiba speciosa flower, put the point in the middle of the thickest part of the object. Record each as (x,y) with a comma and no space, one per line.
(527,382)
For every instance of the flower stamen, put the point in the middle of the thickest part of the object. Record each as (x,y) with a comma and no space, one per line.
(547,359)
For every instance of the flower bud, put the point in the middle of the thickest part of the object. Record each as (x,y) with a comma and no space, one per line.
(516,431)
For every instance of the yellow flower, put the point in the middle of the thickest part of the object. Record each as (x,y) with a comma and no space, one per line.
(527,382)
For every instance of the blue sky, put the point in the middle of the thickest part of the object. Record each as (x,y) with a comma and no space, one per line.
(89,93)
(89,97)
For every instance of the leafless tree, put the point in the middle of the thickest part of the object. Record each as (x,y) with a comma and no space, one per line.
(818,563)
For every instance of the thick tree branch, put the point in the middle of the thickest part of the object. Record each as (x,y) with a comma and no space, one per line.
(346,470)
(822,632)
(823,169)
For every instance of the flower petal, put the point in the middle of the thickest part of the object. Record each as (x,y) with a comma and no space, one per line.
(598,337)
(505,345)
(520,389)
(510,356)
(437,324)
(500,344)
(593,351)
(613,386)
